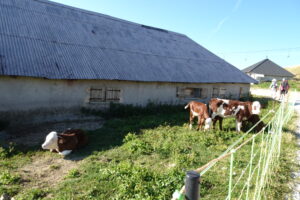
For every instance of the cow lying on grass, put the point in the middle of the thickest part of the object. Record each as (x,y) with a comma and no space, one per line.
(199,110)
(242,111)
(64,143)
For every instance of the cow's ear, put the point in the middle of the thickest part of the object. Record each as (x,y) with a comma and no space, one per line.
(61,141)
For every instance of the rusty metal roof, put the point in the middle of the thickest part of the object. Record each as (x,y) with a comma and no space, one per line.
(39,38)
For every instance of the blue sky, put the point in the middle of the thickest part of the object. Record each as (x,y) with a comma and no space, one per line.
(242,32)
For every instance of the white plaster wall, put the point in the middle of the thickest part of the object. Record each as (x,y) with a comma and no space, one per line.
(278,78)
(23,94)
(261,77)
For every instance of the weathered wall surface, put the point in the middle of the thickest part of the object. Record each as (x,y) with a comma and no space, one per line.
(25,94)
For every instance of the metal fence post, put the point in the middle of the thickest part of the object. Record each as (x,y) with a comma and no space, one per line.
(192,180)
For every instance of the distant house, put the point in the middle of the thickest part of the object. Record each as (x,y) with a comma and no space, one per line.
(266,70)
(57,56)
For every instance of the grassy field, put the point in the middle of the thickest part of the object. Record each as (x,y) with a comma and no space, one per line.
(140,153)
(294,85)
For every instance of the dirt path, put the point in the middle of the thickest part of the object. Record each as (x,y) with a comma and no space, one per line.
(46,171)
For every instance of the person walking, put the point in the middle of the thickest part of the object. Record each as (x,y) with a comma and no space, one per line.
(284,88)
(273,87)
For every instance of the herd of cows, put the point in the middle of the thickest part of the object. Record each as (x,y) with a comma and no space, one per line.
(217,109)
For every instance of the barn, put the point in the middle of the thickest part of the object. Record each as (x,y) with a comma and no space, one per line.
(266,70)
(55,56)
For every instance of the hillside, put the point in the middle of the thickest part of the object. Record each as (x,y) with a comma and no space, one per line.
(295,70)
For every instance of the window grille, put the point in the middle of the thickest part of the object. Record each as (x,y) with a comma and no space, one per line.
(113,95)
(191,92)
(104,95)
(97,95)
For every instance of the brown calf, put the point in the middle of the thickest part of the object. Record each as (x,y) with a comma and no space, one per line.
(71,139)
(199,110)
(242,111)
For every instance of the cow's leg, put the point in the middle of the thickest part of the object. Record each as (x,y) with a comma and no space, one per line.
(54,150)
(200,122)
(214,122)
(220,123)
(65,152)
(191,120)
(207,123)
(238,125)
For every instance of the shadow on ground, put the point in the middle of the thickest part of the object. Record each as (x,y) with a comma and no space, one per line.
(115,124)
(105,130)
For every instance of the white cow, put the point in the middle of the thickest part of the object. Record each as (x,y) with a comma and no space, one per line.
(51,143)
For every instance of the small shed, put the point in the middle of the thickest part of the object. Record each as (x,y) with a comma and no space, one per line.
(57,56)
(266,70)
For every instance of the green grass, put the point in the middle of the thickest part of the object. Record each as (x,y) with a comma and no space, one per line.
(143,153)
(294,85)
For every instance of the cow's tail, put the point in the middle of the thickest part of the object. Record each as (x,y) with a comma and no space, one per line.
(187,106)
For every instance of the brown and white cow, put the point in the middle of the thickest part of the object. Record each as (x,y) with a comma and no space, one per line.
(242,111)
(64,143)
(199,110)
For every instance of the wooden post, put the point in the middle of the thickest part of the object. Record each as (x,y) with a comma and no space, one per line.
(192,181)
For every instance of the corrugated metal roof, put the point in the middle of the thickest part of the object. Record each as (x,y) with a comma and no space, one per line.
(269,68)
(39,38)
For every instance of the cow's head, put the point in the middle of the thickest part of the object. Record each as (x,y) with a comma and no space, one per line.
(51,141)
(256,108)
(207,123)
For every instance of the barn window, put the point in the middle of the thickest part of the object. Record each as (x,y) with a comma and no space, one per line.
(215,92)
(113,95)
(97,95)
(222,92)
(104,95)
(191,92)
(204,93)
